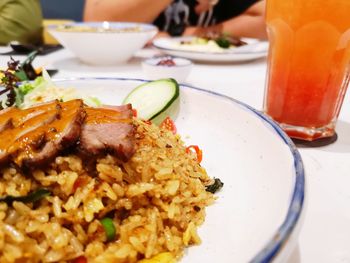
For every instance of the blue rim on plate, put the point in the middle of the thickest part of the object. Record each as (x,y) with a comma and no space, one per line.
(230,52)
(274,245)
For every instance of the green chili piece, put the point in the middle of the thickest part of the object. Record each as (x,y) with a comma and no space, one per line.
(30,198)
(109,228)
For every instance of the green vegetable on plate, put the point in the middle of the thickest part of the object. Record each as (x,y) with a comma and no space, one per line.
(216,186)
(223,42)
(25,88)
(30,198)
(109,228)
(155,100)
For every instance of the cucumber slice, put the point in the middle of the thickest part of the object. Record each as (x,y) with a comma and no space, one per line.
(155,100)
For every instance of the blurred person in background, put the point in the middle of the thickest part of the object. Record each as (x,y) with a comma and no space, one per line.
(20,20)
(243,18)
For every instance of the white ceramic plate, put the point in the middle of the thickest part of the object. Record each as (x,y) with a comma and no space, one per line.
(254,50)
(260,204)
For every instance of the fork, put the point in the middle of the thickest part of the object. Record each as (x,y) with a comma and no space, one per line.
(201,18)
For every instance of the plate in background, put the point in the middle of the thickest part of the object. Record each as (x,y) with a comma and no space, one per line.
(255,49)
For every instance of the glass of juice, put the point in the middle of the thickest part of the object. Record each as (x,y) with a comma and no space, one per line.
(308,65)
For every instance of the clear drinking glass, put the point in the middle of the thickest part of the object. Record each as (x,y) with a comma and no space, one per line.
(308,64)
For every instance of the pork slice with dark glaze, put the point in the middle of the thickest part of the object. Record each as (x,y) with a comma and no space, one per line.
(12,117)
(5,118)
(19,124)
(109,129)
(40,146)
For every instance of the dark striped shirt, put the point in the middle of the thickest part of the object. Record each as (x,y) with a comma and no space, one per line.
(181,13)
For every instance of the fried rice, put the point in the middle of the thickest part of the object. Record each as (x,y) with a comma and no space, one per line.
(156,201)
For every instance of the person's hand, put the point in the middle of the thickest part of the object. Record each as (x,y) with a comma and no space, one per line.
(193,31)
(162,34)
(159,34)
(204,5)
(202,31)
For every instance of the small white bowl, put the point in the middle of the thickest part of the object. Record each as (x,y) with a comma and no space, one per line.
(179,71)
(103,43)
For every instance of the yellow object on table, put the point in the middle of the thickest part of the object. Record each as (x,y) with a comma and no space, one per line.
(164,257)
(47,37)
(20,21)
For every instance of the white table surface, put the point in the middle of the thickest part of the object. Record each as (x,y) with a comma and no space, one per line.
(325,234)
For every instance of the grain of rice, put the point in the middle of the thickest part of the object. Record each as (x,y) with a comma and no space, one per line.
(109,191)
(66,179)
(94,249)
(13,233)
(137,244)
(11,252)
(57,206)
(2,237)
(80,233)
(172,187)
(106,170)
(91,207)
(33,226)
(53,256)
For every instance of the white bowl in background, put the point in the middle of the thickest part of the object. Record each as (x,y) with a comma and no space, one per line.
(103,43)
(179,71)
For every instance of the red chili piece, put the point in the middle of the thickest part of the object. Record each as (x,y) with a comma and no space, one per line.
(169,125)
(195,148)
(147,122)
(80,259)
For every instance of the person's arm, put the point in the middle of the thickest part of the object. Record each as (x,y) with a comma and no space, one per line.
(249,24)
(257,9)
(124,10)
(21,21)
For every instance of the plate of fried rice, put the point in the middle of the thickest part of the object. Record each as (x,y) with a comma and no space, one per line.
(148,200)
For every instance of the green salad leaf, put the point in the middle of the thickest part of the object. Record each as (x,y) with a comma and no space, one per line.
(25,88)
(22,87)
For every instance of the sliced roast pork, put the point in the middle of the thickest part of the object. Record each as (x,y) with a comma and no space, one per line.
(34,136)
(42,144)
(109,129)
(13,117)
(20,122)
(5,118)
